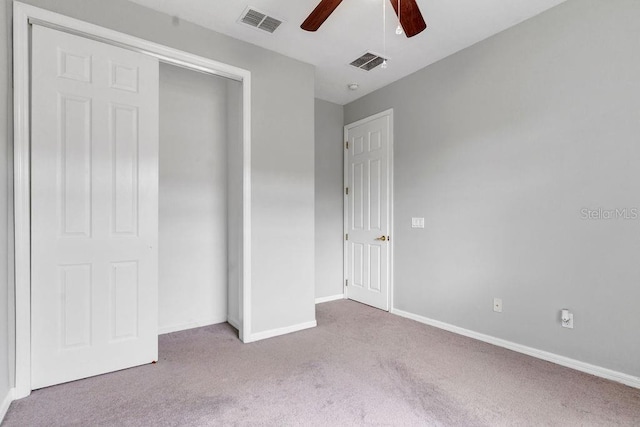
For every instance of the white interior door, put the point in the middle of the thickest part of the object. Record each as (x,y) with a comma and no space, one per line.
(94,220)
(368,211)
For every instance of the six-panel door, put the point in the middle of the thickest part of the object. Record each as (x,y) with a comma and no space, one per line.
(368,212)
(94,217)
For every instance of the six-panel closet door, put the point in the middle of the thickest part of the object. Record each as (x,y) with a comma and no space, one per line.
(94,219)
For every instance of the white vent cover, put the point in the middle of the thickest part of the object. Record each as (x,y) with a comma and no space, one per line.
(368,61)
(259,20)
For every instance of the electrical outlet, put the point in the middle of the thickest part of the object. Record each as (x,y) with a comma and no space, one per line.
(497,305)
(566,319)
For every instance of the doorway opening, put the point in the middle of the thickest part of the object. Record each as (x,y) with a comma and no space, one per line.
(200,164)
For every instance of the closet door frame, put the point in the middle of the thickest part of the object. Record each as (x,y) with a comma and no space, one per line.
(23,17)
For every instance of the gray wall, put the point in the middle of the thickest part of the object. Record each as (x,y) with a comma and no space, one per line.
(282,151)
(6,358)
(193,199)
(329,197)
(500,147)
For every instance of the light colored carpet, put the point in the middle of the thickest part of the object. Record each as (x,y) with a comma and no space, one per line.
(360,366)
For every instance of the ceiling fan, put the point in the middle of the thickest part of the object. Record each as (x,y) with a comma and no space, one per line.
(410,17)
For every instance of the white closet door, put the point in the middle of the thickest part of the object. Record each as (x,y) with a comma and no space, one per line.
(94,219)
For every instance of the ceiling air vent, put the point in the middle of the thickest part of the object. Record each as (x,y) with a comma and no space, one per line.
(368,61)
(259,20)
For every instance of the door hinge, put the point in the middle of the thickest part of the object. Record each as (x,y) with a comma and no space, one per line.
(346,190)
(346,237)
(346,282)
(346,145)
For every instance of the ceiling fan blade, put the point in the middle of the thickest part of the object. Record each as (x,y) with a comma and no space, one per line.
(410,17)
(320,14)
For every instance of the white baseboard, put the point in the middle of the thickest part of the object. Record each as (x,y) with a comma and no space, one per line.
(234,322)
(280,331)
(530,351)
(191,325)
(6,402)
(329,298)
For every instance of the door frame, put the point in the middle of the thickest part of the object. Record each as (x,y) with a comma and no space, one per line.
(23,16)
(345,274)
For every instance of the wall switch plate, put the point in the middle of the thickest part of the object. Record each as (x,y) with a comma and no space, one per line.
(497,305)
(417,222)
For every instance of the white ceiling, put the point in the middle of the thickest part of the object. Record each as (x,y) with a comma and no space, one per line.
(356,26)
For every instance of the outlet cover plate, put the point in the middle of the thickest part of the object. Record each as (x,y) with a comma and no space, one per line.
(497,305)
(568,324)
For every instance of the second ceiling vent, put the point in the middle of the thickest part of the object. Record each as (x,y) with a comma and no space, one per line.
(368,61)
(259,20)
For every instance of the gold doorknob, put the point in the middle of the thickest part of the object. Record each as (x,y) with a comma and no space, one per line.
(383,238)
